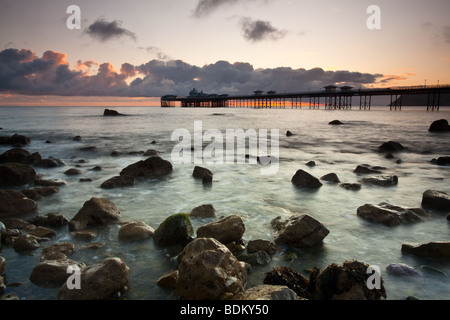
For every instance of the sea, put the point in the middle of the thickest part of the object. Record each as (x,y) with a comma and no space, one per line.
(241,188)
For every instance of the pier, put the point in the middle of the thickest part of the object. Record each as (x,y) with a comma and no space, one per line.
(330,97)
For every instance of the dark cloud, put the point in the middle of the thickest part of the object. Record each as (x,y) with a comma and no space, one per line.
(205,7)
(258,30)
(23,72)
(104,30)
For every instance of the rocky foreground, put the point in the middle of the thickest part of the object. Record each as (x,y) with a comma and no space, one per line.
(213,261)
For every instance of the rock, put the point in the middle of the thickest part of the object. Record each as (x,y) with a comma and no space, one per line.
(109,112)
(299,231)
(77,138)
(19,155)
(150,153)
(382,181)
(264,245)
(225,230)
(72,172)
(38,194)
(53,273)
(437,249)
(441,161)
(25,243)
(305,180)
(436,200)
(208,271)
(168,280)
(16,174)
(15,139)
(135,231)
(366,169)
(267,292)
(331,177)
(346,282)
(391,215)
(203,211)
(391,146)
(85,235)
(57,251)
(14,223)
(285,276)
(401,269)
(51,163)
(439,126)
(42,232)
(99,281)
(202,173)
(89,148)
(119,182)
(176,229)
(289,133)
(50,182)
(15,203)
(311,163)
(448,216)
(96,211)
(153,167)
(335,122)
(259,258)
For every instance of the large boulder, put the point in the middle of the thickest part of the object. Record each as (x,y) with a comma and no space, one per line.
(436,249)
(19,155)
(439,126)
(119,182)
(99,281)
(135,231)
(15,203)
(226,230)
(436,200)
(299,231)
(176,229)
(96,211)
(153,167)
(16,174)
(207,270)
(305,180)
(391,215)
(53,273)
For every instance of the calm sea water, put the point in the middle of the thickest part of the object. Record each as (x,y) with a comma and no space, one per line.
(241,189)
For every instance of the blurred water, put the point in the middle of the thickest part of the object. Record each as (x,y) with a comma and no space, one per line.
(241,189)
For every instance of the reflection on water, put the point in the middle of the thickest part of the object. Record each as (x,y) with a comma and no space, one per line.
(241,189)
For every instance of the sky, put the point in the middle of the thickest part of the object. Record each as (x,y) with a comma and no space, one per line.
(133,52)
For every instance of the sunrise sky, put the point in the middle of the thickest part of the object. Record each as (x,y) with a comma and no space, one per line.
(132,52)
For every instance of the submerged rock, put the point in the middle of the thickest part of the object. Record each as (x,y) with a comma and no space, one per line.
(351,186)
(207,270)
(391,215)
(306,180)
(401,269)
(299,231)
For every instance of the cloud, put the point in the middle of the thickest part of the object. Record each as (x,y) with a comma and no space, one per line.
(446,34)
(205,7)
(104,30)
(258,30)
(23,72)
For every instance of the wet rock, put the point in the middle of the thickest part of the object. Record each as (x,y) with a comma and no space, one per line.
(311,163)
(203,173)
(403,270)
(225,230)
(346,282)
(14,223)
(135,231)
(331,177)
(89,148)
(53,273)
(99,281)
(50,182)
(441,161)
(391,146)
(38,194)
(51,163)
(96,211)
(15,203)
(259,258)
(203,211)
(351,186)
(381,181)
(267,292)
(305,180)
(439,126)
(391,215)
(25,243)
(57,251)
(335,122)
(153,167)
(436,200)
(289,133)
(86,235)
(151,153)
(19,155)
(299,231)
(264,245)
(109,112)
(284,276)
(42,232)
(16,174)
(437,249)
(168,280)
(119,182)
(77,138)
(72,172)
(176,229)
(15,139)
(208,271)
(366,169)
